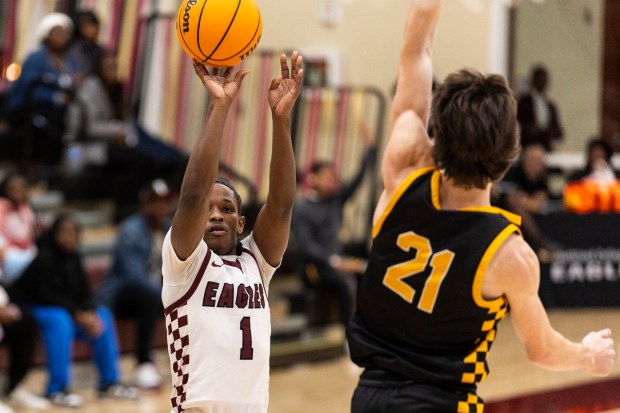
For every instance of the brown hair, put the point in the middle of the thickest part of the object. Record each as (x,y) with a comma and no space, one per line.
(475,128)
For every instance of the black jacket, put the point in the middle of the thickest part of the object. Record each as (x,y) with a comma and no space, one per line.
(54,278)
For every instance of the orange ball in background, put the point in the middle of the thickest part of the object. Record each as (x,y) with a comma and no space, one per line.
(219,33)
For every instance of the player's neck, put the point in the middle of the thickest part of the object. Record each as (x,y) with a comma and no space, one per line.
(452,196)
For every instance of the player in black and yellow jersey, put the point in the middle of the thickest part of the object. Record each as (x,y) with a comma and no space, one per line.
(445,266)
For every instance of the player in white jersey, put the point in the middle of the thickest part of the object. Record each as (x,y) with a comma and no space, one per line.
(215,287)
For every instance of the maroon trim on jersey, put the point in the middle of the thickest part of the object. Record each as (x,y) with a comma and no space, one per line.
(192,288)
(234,263)
(262,279)
(250,253)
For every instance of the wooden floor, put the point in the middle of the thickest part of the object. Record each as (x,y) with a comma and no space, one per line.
(327,386)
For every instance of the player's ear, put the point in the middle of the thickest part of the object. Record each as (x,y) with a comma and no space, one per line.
(240,225)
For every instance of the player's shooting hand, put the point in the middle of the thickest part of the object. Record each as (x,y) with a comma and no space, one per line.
(600,346)
(285,88)
(222,88)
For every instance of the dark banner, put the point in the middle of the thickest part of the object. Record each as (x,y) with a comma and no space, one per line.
(585,271)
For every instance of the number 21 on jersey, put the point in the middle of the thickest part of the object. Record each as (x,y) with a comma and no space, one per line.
(440,263)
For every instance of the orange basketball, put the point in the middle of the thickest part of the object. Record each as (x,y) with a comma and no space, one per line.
(219,33)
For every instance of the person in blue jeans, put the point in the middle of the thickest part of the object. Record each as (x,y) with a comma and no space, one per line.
(132,286)
(55,288)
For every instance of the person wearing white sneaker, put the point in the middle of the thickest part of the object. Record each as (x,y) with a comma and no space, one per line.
(147,376)
(132,287)
(55,288)
(20,334)
(22,397)
(65,399)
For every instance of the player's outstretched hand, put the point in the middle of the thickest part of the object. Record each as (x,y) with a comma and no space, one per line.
(285,88)
(222,88)
(600,347)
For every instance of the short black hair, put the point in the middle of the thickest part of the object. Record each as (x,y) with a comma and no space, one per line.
(86,16)
(537,70)
(598,142)
(223,181)
(318,166)
(83,16)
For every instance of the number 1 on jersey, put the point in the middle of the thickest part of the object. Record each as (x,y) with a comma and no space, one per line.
(440,264)
(247,351)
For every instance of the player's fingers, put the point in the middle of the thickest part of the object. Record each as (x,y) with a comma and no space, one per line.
(297,65)
(605,333)
(294,59)
(241,74)
(198,67)
(284,66)
(227,73)
(275,83)
(300,75)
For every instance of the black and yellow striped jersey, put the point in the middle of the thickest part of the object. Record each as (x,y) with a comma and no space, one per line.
(420,312)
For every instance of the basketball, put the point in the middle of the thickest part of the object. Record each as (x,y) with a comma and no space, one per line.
(219,33)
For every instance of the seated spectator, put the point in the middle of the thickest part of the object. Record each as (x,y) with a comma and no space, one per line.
(538,117)
(56,290)
(598,162)
(85,48)
(316,226)
(595,188)
(18,227)
(525,192)
(20,335)
(132,287)
(40,96)
(101,113)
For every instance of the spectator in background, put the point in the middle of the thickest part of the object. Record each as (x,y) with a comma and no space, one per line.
(537,115)
(316,224)
(20,335)
(598,163)
(132,287)
(43,91)
(18,227)
(101,113)
(595,188)
(524,191)
(85,48)
(56,290)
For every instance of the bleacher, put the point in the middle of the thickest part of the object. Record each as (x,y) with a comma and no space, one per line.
(293,339)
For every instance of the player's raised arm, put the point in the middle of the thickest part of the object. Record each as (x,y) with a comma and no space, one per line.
(191,217)
(409,146)
(272,227)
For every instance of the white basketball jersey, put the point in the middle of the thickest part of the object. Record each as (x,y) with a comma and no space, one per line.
(219,329)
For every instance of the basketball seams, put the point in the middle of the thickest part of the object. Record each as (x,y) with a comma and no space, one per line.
(182,36)
(242,57)
(228,34)
(225,32)
(202,9)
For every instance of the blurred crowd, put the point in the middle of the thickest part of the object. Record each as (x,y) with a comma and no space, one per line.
(69,112)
